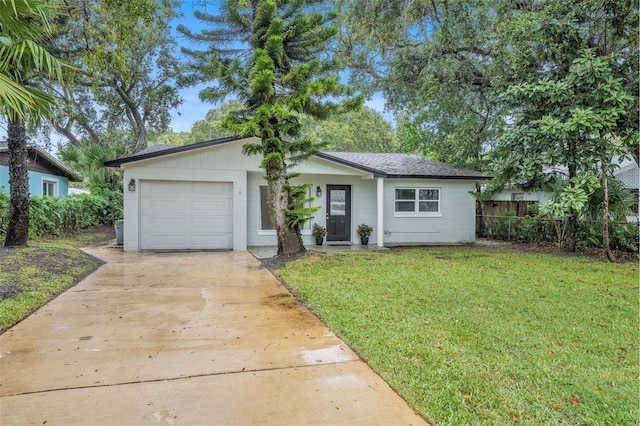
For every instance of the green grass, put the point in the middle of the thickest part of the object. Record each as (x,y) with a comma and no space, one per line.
(34,275)
(472,336)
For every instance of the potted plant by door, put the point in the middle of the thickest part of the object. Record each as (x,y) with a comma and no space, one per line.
(319,232)
(364,231)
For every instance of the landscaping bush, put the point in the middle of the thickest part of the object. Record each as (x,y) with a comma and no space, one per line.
(521,229)
(4,211)
(56,216)
(623,236)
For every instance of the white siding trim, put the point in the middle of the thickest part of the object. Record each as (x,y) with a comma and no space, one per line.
(56,186)
(380,212)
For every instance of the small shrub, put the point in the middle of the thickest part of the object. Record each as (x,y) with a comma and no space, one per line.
(4,211)
(56,216)
(622,236)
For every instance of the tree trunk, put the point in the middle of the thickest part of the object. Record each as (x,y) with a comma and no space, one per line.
(18,229)
(605,212)
(289,239)
(135,119)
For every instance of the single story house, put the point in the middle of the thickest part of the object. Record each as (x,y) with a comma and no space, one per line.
(47,175)
(211,196)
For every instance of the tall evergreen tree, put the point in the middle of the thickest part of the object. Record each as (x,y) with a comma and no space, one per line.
(273,56)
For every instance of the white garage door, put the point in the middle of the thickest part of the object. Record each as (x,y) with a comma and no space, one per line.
(186,215)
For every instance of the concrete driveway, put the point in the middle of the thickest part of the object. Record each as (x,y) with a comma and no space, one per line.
(185,339)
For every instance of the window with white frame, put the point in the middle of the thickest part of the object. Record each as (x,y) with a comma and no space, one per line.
(49,187)
(417,202)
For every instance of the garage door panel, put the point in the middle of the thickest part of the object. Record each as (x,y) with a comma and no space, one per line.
(220,240)
(186,215)
(168,223)
(165,203)
(168,242)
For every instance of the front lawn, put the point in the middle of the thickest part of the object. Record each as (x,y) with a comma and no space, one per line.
(31,276)
(474,336)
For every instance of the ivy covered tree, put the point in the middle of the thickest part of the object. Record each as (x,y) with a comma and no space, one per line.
(272,55)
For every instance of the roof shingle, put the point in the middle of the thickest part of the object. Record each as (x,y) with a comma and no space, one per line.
(402,165)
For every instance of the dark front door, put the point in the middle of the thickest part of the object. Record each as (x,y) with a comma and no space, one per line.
(338,212)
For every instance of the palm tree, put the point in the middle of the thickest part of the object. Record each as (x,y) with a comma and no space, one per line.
(23,26)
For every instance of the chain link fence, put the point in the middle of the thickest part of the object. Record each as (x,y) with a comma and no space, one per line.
(528,229)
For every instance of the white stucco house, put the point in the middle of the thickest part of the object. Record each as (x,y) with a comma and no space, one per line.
(211,196)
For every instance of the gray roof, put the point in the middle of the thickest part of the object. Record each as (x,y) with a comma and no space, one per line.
(401,165)
(155,148)
(64,170)
(380,165)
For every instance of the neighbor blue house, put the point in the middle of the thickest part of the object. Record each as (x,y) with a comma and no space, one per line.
(47,175)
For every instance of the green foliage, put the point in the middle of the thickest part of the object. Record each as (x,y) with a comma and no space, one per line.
(445,66)
(577,119)
(58,216)
(472,337)
(89,159)
(211,127)
(620,201)
(573,121)
(360,130)
(125,70)
(622,236)
(364,230)
(297,213)
(570,197)
(319,231)
(522,229)
(24,25)
(5,202)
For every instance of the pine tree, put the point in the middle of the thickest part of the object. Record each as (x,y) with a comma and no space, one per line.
(273,55)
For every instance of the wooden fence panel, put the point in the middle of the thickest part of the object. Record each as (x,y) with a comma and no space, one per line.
(500,208)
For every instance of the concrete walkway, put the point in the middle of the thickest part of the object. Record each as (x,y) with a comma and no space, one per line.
(185,339)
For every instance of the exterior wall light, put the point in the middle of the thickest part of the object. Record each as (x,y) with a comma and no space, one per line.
(132,185)
(318,191)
